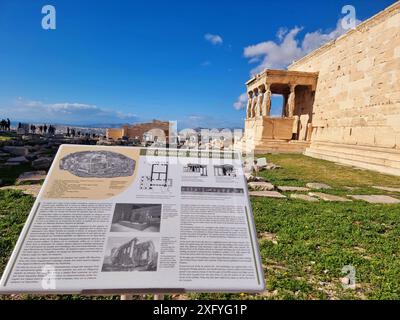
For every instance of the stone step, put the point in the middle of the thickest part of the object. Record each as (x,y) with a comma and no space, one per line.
(361,147)
(358,155)
(340,158)
(281,146)
(375,152)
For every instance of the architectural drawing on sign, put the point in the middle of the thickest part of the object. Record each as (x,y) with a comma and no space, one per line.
(159,174)
(225,170)
(98,164)
(158,178)
(130,217)
(195,170)
(134,255)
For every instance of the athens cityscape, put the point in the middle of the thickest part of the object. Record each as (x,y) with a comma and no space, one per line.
(285,121)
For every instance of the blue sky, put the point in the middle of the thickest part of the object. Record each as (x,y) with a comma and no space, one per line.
(127,61)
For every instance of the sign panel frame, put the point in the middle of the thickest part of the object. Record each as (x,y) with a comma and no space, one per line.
(178,220)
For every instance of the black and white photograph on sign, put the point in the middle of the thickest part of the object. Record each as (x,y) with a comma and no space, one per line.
(126,254)
(195,170)
(225,170)
(130,217)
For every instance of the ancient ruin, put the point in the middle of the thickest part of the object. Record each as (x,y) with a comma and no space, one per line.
(341,102)
(133,256)
(141,217)
(263,132)
(155,131)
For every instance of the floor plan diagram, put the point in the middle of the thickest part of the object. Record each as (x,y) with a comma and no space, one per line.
(157,179)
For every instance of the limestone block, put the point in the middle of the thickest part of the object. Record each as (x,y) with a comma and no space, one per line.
(267,194)
(397,52)
(303,126)
(268,129)
(261,186)
(318,186)
(365,64)
(292,189)
(20,159)
(18,151)
(398,141)
(390,189)
(283,129)
(393,23)
(364,135)
(376,199)
(385,137)
(328,197)
(32,176)
(303,197)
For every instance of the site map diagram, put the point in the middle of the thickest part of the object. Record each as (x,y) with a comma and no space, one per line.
(98,164)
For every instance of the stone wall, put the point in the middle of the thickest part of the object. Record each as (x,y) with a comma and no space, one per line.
(356,113)
(159,129)
(114,133)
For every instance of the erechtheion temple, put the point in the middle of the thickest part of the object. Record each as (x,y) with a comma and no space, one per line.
(341,101)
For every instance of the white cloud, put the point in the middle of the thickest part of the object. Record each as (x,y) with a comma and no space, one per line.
(287,49)
(206,63)
(241,102)
(282,32)
(275,54)
(213,38)
(65,112)
(279,54)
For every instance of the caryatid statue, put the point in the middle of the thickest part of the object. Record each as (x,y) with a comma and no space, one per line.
(291,100)
(249,104)
(254,105)
(266,106)
(259,103)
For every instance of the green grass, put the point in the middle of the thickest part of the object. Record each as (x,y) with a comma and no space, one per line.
(6,136)
(14,209)
(297,170)
(314,240)
(9,174)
